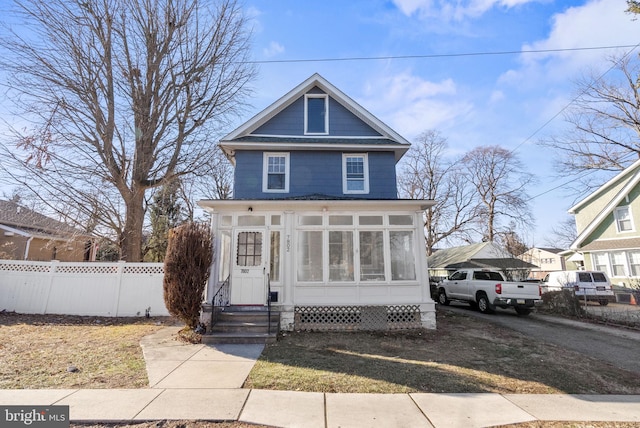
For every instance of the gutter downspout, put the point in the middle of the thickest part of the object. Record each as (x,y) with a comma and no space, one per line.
(26,249)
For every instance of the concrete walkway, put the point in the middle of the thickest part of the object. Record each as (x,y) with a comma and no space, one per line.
(200,382)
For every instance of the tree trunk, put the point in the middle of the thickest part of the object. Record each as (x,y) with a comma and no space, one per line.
(131,237)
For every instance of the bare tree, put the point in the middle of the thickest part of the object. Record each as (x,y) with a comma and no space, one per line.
(427,174)
(604,125)
(563,234)
(500,182)
(121,96)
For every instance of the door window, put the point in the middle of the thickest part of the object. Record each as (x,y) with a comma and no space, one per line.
(249,249)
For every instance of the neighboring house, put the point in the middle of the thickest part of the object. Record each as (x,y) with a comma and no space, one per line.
(485,255)
(28,235)
(608,227)
(316,218)
(573,260)
(546,259)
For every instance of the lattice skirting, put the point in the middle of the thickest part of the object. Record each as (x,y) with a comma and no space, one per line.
(341,318)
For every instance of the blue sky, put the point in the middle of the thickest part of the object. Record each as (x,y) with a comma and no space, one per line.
(472,100)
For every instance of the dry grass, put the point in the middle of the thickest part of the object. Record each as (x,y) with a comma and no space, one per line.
(464,354)
(39,351)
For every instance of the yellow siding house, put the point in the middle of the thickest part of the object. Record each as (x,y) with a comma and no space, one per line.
(608,227)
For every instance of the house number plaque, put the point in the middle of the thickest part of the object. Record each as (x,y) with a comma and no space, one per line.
(244,270)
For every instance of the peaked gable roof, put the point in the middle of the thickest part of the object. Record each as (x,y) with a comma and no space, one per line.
(481,255)
(244,136)
(632,175)
(18,219)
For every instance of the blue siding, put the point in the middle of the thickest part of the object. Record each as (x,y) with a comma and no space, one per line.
(342,122)
(314,173)
(289,121)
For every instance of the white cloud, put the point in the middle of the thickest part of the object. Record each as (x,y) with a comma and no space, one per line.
(496,96)
(453,10)
(273,49)
(410,104)
(597,23)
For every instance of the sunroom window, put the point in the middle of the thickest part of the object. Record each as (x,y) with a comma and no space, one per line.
(403,265)
(371,256)
(316,117)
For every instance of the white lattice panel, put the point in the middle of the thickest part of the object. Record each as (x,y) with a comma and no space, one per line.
(87,269)
(144,269)
(394,317)
(20,267)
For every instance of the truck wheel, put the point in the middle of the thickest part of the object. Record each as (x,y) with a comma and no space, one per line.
(522,311)
(442,298)
(483,304)
(603,302)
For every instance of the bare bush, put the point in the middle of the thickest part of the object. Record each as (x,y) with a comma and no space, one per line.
(563,302)
(186,271)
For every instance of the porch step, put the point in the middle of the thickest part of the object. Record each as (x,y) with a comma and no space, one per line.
(244,325)
(239,338)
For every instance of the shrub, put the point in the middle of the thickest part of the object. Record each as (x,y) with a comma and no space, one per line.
(563,302)
(186,271)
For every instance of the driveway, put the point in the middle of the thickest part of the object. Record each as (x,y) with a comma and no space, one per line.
(618,346)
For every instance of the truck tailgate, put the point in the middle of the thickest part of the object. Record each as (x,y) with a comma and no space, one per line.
(520,290)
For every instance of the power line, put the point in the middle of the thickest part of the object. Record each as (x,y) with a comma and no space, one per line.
(428,56)
(600,77)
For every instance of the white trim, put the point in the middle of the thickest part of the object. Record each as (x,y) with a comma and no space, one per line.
(361,205)
(365,160)
(609,183)
(231,147)
(265,172)
(631,183)
(326,113)
(15,231)
(293,95)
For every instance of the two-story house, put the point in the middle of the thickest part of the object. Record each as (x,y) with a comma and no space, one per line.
(608,226)
(545,259)
(315,223)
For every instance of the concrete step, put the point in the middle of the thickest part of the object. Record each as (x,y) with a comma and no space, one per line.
(246,316)
(239,338)
(244,325)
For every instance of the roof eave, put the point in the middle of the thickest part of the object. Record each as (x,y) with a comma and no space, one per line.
(254,205)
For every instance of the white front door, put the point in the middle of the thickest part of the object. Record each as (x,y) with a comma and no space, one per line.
(249,266)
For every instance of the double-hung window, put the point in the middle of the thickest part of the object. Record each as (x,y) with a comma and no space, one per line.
(355,173)
(624,222)
(316,114)
(275,169)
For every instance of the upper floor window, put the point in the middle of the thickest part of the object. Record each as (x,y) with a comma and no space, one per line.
(275,177)
(355,173)
(624,221)
(316,114)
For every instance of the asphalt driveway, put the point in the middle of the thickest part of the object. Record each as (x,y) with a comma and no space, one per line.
(617,346)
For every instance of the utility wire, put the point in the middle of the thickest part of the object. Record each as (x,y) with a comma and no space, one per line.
(544,125)
(427,56)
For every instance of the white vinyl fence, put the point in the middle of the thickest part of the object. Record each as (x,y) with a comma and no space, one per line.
(98,289)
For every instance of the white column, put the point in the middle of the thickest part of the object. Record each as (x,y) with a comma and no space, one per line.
(215,261)
(288,273)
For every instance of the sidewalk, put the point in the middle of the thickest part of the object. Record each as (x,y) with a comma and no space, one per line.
(200,382)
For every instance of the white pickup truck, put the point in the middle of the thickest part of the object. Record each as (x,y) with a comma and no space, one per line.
(487,289)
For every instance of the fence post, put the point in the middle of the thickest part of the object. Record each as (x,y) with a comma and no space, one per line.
(118,285)
(53,270)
